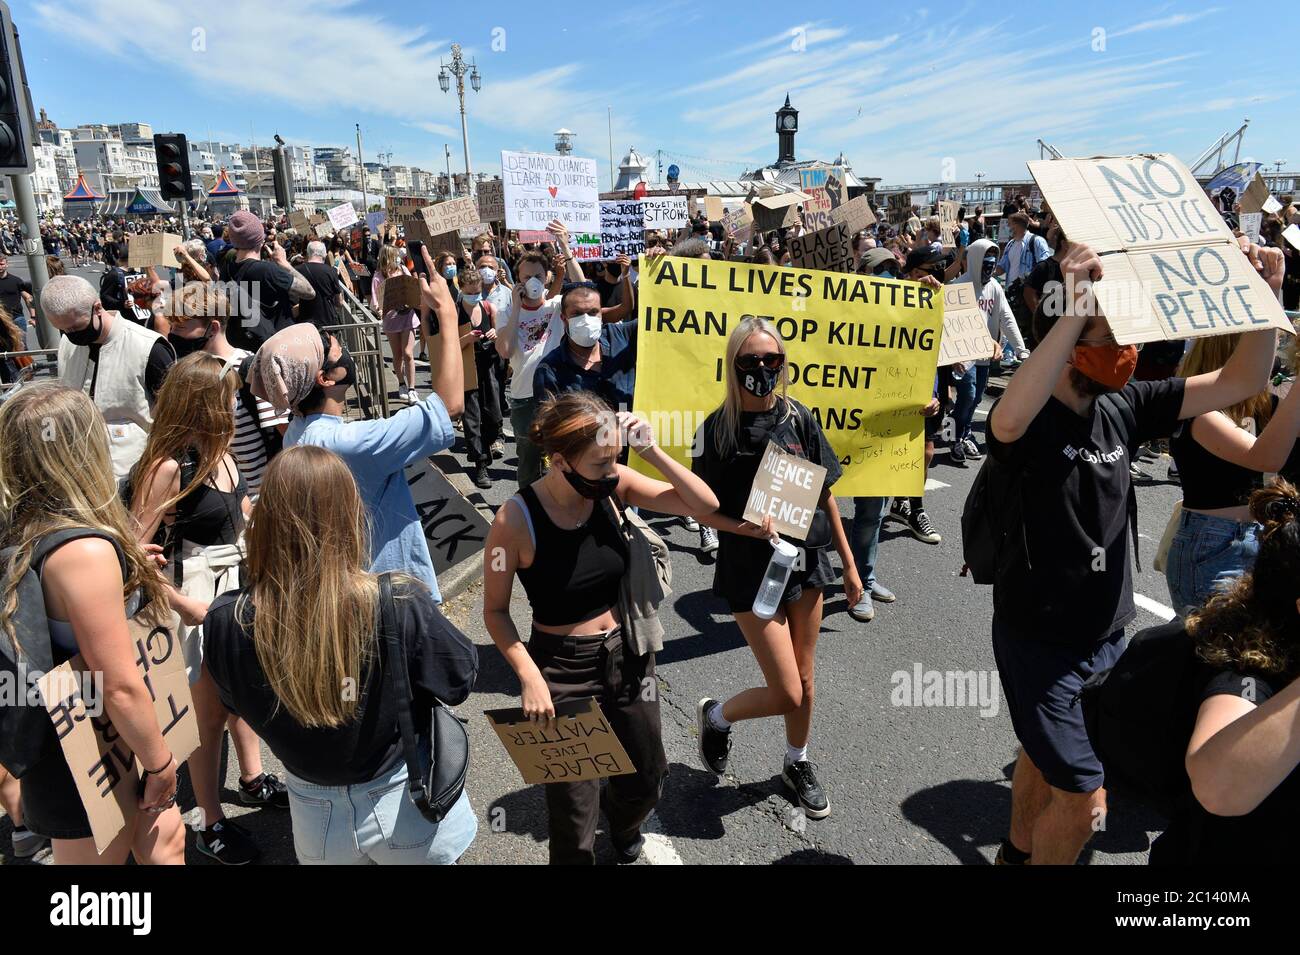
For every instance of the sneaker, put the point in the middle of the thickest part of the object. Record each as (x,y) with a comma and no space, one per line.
(691,524)
(27,843)
(227,842)
(413,396)
(922,529)
(267,789)
(972,449)
(900,510)
(708,540)
(481,479)
(715,745)
(957,454)
(864,610)
(498,449)
(882,593)
(800,779)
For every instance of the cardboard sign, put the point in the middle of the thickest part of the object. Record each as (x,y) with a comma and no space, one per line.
(492,200)
(828,249)
(856,214)
(300,222)
(1271,206)
(1236,177)
(152,248)
(1255,196)
(323,230)
(469,368)
(454,528)
(1173,269)
(376,220)
(965,327)
(622,229)
(738,222)
(342,216)
(1251,223)
(474,231)
(443,242)
(826,192)
(540,187)
(450,216)
(577,746)
(900,208)
(106,772)
(948,224)
(1292,234)
(777,212)
(666,212)
(786,489)
(713,210)
(399,293)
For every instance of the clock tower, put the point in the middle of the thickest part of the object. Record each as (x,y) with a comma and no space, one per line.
(787,124)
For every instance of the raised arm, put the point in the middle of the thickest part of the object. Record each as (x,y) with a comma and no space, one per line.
(449,372)
(572,269)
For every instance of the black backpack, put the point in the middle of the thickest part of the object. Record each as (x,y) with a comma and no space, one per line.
(992,519)
(113,294)
(27,734)
(1140,715)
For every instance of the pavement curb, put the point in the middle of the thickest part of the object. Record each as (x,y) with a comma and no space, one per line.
(459,578)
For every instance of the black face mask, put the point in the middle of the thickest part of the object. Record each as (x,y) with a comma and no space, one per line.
(348,362)
(760,382)
(596,490)
(986,270)
(88,335)
(187,346)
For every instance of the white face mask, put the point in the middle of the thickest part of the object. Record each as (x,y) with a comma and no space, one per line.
(534,287)
(584,329)
(487,275)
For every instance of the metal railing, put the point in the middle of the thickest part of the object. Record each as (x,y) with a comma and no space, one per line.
(364,338)
(45,364)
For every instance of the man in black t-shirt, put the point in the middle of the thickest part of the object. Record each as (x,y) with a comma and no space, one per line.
(268,287)
(1067,428)
(325,308)
(14,291)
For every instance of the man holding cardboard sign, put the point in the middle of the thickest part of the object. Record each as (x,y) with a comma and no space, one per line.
(1048,520)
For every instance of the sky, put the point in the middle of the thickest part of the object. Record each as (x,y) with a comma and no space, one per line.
(909,94)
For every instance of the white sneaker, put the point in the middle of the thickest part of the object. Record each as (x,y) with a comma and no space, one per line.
(691,524)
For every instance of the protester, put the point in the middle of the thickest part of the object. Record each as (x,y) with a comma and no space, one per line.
(477,331)
(269,286)
(731,443)
(15,292)
(56,476)
(588,573)
(1023,252)
(399,323)
(325,307)
(597,356)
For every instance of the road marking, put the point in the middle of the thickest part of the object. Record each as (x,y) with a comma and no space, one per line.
(1154,607)
(658,848)
(932,485)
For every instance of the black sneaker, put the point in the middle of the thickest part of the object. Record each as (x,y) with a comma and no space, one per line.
(957,454)
(715,744)
(267,789)
(900,510)
(800,779)
(922,529)
(227,842)
(481,479)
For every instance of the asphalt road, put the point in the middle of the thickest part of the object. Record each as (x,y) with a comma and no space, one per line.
(907,784)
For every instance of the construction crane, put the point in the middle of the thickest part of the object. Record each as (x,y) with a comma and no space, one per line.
(1217,149)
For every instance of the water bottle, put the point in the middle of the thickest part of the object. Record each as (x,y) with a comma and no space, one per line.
(768,598)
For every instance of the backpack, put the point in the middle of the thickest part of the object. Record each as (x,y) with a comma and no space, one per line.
(169,537)
(113,294)
(272,439)
(992,519)
(26,732)
(1140,715)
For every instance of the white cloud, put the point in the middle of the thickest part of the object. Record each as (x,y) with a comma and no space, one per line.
(1164,23)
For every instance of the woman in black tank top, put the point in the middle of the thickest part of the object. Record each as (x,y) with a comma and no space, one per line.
(1222,457)
(564,536)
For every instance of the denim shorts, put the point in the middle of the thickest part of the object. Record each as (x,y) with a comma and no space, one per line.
(374,823)
(1207,555)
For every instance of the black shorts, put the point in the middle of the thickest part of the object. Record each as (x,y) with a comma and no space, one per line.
(51,804)
(817,575)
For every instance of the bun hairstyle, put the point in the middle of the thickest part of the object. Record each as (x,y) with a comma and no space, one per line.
(571,423)
(1255,626)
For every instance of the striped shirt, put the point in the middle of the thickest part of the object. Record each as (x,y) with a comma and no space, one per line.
(248,447)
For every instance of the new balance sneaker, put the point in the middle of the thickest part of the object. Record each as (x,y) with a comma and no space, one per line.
(922,529)
(27,843)
(972,449)
(800,779)
(708,540)
(715,744)
(864,610)
(267,789)
(227,842)
(900,510)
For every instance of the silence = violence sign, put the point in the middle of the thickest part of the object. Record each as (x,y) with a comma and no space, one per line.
(786,489)
(578,745)
(1172,266)
(965,328)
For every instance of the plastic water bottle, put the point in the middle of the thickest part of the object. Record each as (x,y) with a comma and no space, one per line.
(768,598)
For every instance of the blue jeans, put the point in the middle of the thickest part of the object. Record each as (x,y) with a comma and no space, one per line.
(864,536)
(374,823)
(1207,555)
(970,390)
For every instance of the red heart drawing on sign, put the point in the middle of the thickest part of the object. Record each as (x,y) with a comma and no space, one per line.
(552,190)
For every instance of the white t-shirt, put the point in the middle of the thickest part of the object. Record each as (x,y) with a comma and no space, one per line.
(247,446)
(540,330)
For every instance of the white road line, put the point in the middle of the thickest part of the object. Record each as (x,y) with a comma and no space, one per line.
(658,848)
(932,485)
(980,413)
(1154,607)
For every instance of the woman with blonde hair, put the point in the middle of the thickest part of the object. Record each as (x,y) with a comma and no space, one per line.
(187,494)
(730,445)
(399,324)
(1222,456)
(295,652)
(67,523)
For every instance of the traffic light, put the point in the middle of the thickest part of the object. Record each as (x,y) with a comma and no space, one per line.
(172,153)
(282,174)
(17,152)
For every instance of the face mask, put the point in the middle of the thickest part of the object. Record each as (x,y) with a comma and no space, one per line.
(986,270)
(534,287)
(88,335)
(760,382)
(187,346)
(487,275)
(449,272)
(584,329)
(471,299)
(345,361)
(592,490)
(1108,365)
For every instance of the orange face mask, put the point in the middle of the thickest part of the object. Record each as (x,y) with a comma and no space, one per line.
(1109,365)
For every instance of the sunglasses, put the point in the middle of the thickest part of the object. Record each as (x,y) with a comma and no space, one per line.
(772,361)
(888,268)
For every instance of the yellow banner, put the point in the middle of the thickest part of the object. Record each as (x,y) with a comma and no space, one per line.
(861,353)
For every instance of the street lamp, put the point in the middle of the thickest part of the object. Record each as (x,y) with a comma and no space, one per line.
(458,68)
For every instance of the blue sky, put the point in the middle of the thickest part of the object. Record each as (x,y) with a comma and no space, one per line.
(902,90)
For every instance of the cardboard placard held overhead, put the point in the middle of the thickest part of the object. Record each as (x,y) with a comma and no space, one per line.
(323,230)
(453,526)
(1251,223)
(541,187)
(856,214)
(948,224)
(713,210)
(666,212)
(786,489)
(777,212)
(828,249)
(299,221)
(450,216)
(965,328)
(443,242)
(152,248)
(738,222)
(622,230)
(1271,206)
(1256,194)
(399,293)
(491,201)
(577,746)
(1292,235)
(1172,267)
(342,216)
